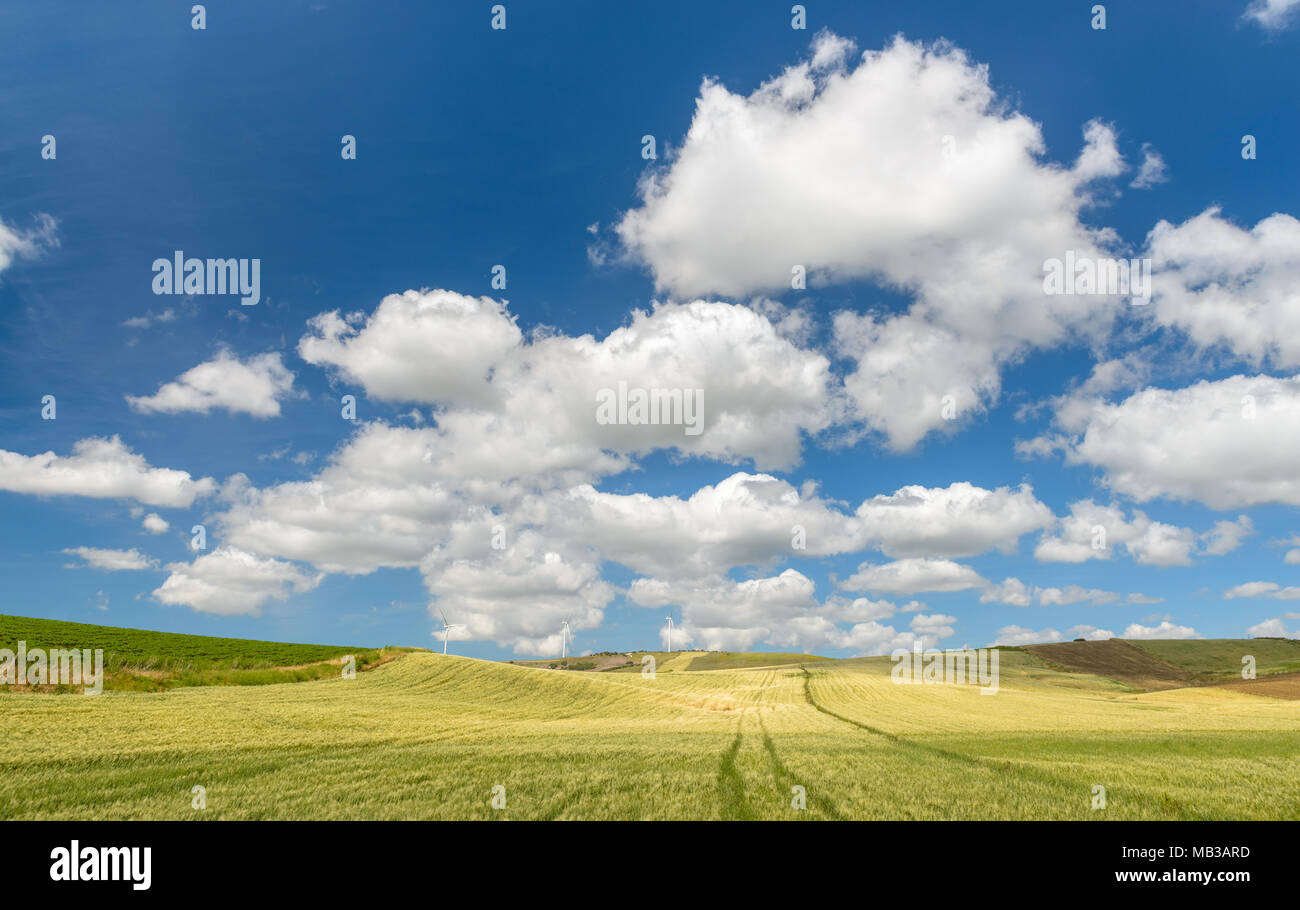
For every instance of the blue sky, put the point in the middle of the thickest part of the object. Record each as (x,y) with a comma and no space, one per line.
(523,147)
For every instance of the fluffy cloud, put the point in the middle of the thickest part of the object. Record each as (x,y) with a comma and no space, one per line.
(912,576)
(1012,591)
(1224,285)
(746,519)
(932,626)
(1166,629)
(522,397)
(1226,443)
(905,169)
(863,609)
(113,560)
(845,170)
(751,519)
(388,498)
(1270,628)
(154,523)
(961,520)
(517,596)
(873,639)
(383,500)
(100,468)
(721,614)
(1227,536)
(1092,531)
(231,582)
(433,347)
(254,386)
(1091,633)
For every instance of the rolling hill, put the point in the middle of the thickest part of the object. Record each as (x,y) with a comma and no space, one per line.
(140,660)
(427,736)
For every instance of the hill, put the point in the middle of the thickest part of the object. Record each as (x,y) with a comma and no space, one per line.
(1220,658)
(141,660)
(427,736)
(1113,659)
(1176,663)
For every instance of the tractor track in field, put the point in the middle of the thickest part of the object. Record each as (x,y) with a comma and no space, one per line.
(783,774)
(732,792)
(731,786)
(1162,805)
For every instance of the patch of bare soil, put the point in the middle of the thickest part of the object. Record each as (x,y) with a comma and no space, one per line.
(1116,660)
(1285,685)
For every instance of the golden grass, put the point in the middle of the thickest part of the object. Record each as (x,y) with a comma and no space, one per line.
(428,736)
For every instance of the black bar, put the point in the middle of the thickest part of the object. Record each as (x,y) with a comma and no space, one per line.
(380,860)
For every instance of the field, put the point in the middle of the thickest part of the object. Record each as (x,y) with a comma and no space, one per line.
(424,736)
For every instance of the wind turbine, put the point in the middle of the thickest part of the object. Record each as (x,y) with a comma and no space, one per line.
(670,634)
(447,627)
(564,639)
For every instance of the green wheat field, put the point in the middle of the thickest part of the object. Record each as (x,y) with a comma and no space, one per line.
(419,735)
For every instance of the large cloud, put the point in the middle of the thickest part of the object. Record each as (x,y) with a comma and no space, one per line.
(525,397)
(381,501)
(1093,531)
(746,519)
(907,170)
(960,520)
(1229,443)
(1227,286)
(752,520)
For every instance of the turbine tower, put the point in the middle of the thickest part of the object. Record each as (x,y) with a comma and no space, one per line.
(564,639)
(446,627)
(670,634)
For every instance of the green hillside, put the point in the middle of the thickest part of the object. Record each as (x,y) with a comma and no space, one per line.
(1220,658)
(136,659)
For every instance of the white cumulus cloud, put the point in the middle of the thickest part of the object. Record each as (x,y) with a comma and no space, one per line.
(100,468)
(254,386)
(231,582)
